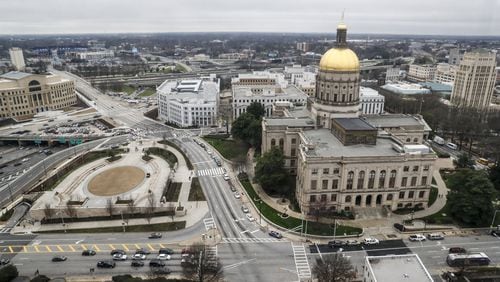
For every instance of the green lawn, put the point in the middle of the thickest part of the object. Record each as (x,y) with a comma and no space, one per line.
(169,226)
(313,228)
(196,193)
(148,92)
(433,195)
(128,89)
(168,143)
(441,217)
(173,191)
(229,149)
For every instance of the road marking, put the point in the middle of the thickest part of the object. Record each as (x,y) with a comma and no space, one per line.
(125,247)
(137,246)
(111,246)
(252,240)
(256,230)
(301,261)
(79,241)
(161,245)
(150,247)
(10,249)
(209,223)
(25,249)
(234,265)
(97,248)
(48,249)
(84,247)
(244,231)
(435,257)
(59,248)
(36,248)
(71,247)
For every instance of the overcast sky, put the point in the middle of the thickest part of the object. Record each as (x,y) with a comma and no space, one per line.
(446,17)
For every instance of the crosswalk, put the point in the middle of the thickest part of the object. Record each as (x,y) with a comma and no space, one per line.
(301,262)
(5,230)
(209,223)
(211,171)
(250,240)
(37,247)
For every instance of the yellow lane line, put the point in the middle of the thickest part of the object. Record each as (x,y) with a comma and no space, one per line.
(25,249)
(137,246)
(71,247)
(48,249)
(59,248)
(10,249)
(36,249)
(151,247)
(125,247)
(84,247)
(161,245)
(112,247)
(97,248)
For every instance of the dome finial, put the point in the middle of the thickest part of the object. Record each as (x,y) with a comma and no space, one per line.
(342,32)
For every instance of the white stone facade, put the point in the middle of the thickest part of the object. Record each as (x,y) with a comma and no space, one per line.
(421,73)
(372,103)
(17,58)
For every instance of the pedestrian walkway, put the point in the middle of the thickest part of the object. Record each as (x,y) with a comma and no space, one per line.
(252,240)
(211,171)
(209,223)
(301,261)
(5,230)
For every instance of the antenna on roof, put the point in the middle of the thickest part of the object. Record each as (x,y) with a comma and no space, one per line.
(342,17)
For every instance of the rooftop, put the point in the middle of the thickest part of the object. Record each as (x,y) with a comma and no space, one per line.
(192,91)
(290,122)
(406,88)
(394,120)
(327,145)
(408,268)
(366,91)
(15,75)
(245,91)
(354,124)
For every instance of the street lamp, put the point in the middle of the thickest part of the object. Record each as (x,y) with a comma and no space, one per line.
(123,221)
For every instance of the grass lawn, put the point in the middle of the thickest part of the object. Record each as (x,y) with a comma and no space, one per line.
(169,226)
(128,89)
(195,193)
(168,156)
(173,191)
(441,217)
(168,143)
(313,228)
(147,92)
(229,149)
(433,195)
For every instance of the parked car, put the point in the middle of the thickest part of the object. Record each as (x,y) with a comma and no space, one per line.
(155,235)
(166,251)
(457,250)
(237,195)
(226,177)
(371,241)
(435,236)
(336,243)
(250,217)
(120,257)
(399,227)
(163,257)
(244,209)
(275,234)
(139,257)
(156,263)
(137,263)
(117,251)
(353,243)
(59,258)
(106,264)
(88,253)
(142,251)
(417,237)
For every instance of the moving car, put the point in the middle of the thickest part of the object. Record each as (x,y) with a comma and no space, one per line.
(226,176)
(137,263)
(336,243)
(120,257)
(142,251)
(416,237)
(117,251)
(4,261)
(250,217)
(156,263)
(139,257)
(370,241)
(244,209)
(275,234)
(155,235)
(166,251)
(59,258)
(457,250)
(237,195)
(106,264)
(163,257)
(353,243)
(88,253)
(435,236)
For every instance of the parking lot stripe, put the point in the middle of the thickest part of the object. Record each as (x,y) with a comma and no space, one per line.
(71,247)
(25,249)
(84,247)
(125,247)
(137,246)
(36,248)
(161,245)
(59,248)
(111,246)
(151,247)
(48,248)
(97,248)
(10,249)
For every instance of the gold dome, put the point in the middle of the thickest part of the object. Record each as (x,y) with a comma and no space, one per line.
(339,59)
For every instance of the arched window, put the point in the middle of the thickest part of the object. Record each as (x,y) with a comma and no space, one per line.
(348,199)
(34,85)
(389,197)
(381,179)
(392,179)
(350,178)
(282,143)
(371,180)
(408,140)
(361,179)
(273,142)
(415,140)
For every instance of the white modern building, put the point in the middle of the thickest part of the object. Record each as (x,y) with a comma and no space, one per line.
(406,88)
(445,73)
(17,58)
(455,56)
(372,103)
(392,75)
(407,268)
(95,55)
(302,77)
(188,103)
(421,73)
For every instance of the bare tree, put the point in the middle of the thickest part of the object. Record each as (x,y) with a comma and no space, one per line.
(333,267)
(131,208)
(110,207)
(150,208)
(202,264)
(48,211)
(70,209)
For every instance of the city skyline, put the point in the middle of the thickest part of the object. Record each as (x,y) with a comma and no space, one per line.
(387,17)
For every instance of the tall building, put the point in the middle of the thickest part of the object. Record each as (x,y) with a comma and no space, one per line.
(17,58)
(22,95)
(304,46)
(475,80)
(188,103)
(343,161)
(454,57)
(421,73)
(392,75)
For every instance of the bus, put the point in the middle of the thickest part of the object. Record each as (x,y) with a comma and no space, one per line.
(475,259)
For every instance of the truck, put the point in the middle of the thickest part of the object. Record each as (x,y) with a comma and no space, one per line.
(438,140)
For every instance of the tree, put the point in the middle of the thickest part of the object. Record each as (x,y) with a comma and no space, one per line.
(464,161)
(202,264)
(333,267)
(248,129)
(8,273)
(256,109)
(48,211)
(40,278)
(70,209)
(471,197)
(111,153)
(270,173)
(495,177)
(110,207)
(150,209)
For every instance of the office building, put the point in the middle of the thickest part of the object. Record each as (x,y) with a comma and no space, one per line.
(302,77)
(304,46)
(23,95)
(407,268)
(421,73)
(189,103)
(445,73)
(392,75)
(403,88)
(17,58)
(372,103)
(454,56)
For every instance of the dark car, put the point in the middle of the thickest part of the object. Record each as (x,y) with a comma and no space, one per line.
(166,251)
(399,227)
(4,261)
(137,263)
(161,270)
(156,263)
(457,250)
(336,243)
(142,251)
(106,264)
(88,253)
(275,234)
(155,235)
(59,258)
(118,251)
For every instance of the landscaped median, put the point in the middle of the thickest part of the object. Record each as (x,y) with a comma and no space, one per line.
(313,228)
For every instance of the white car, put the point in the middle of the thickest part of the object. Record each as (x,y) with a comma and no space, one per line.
(250,217)
(226,176)
(417,237)
(370,241)
(119,257)
(163,257)
(237,195)
(139,257)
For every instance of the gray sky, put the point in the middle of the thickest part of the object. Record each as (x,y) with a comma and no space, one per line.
(447,17)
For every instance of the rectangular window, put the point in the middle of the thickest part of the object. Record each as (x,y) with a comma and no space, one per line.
(324,184)
(335,184)
(323,198)
(424,181)
(413,181)
(411,194)
(349,184)
(406,168)
(312,198)
(292,162)
(402,195)
(333,197)
(292,152)
(335,171)
(326,171)
(404,180)
(314,171)
(421,194)
(415,168)
(314,184)
(294,140)
(426,167)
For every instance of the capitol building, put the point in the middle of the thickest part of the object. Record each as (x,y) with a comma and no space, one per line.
(344,160)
